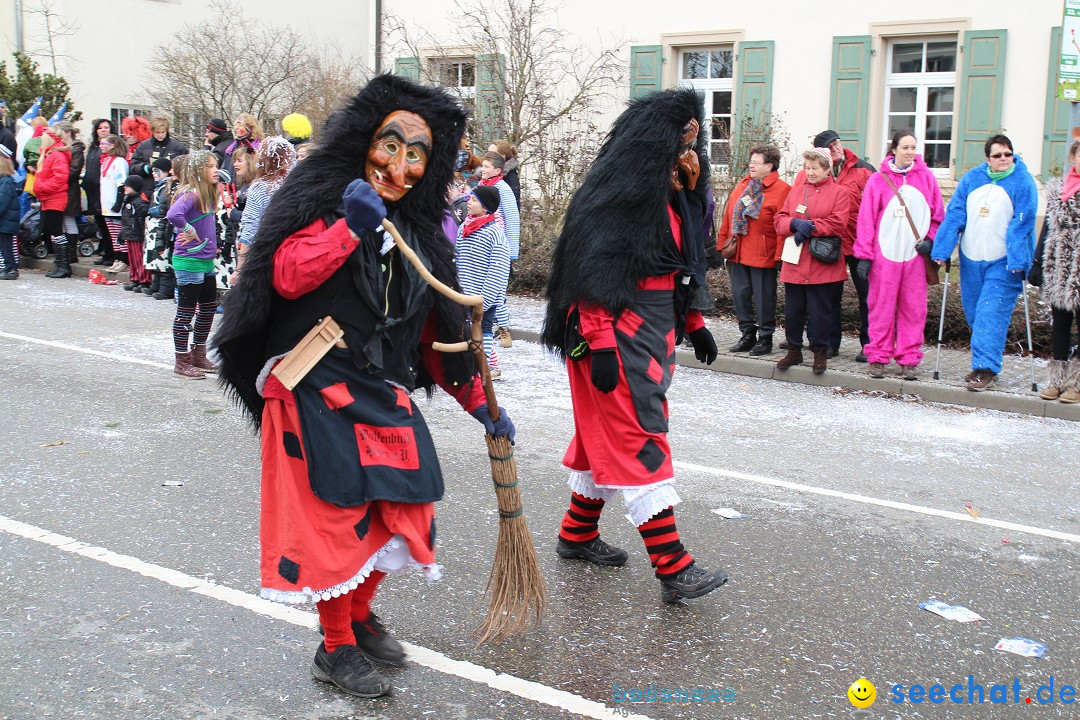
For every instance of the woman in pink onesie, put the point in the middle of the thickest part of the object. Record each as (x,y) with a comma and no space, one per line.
(888,248)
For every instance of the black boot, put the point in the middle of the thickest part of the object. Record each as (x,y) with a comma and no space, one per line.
(155,284)
(168,286)
(692,582)
(61,266)
(747,341)
(763,347)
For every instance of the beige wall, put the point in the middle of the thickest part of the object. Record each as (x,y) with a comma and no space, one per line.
(803,34)
(109,55)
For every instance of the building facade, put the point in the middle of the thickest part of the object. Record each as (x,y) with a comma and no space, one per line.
(955,72)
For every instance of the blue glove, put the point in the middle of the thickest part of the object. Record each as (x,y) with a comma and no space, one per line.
(503,428)
(803,228)
(364,209)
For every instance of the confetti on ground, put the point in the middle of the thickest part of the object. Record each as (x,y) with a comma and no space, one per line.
(971,510)
(173,483)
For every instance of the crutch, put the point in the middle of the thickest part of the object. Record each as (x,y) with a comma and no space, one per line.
(941,323)
(1027,324)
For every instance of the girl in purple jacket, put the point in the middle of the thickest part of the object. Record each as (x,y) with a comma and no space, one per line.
(891,237)
(192,214)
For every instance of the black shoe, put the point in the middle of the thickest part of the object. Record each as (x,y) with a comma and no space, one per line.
(10,275)
(763,347)
(834,351)
(691,583)
(103,261)
(783,345)
(347,669)
(861,357)
(595,551)
(132,286)
(377,644)
(746,342)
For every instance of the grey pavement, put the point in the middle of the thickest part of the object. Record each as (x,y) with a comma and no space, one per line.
(855,514)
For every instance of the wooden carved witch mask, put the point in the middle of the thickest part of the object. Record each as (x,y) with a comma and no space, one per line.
(688,162)
(398,154)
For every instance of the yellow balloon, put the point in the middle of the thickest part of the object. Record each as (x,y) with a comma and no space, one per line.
(862,693)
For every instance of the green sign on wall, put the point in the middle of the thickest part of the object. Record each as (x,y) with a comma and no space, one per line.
(1069,65)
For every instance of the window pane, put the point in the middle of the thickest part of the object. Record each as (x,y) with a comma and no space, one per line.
(900,122)
(721,64)
(720,153)
(721,103)
(721,128)
(936,155)
(447,74)
(902,99)
(941,57)
(939,127)
(907,58)
(468,75)
(695,64)
(940,99)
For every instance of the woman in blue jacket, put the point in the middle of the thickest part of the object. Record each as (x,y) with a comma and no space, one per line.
(992,217)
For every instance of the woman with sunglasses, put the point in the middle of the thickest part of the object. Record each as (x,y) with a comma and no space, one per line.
(994,208)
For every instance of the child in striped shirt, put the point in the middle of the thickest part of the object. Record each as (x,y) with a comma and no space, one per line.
(483,261)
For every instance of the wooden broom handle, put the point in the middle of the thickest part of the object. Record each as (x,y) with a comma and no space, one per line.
(476,302)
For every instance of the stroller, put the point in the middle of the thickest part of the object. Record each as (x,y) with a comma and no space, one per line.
(33,243)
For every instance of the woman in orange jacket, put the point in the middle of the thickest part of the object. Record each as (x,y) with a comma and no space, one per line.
(815,207)
(748,226)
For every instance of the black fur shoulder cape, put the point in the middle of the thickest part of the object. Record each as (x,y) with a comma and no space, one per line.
(616,229)
(313,190)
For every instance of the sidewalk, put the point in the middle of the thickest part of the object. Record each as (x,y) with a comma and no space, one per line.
(1011,393)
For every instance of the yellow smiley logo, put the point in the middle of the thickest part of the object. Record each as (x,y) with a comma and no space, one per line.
(862,693)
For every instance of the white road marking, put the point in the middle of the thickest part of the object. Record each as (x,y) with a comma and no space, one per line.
(432,659)
(1003,524)
(76,348)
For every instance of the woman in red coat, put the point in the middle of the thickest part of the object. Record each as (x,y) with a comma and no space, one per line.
(748,223)
(815,207)
(51,189)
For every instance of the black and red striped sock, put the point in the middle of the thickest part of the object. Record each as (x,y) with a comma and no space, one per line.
(581,520)
(336,623)
(666,552)
(362,595)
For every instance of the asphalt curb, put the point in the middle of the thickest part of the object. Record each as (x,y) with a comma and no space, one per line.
(925,391)
(79,269)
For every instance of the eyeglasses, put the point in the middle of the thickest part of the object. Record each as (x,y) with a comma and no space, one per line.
(997,156)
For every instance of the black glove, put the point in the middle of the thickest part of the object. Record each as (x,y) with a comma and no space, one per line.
(119,200)
(704,345)
(715,260)
(779,265)
(364,209)
(605,370)
(862,269)
(1034,276)
(924,247)
(503,428)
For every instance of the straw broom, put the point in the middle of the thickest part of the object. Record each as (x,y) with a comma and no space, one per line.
(517,590)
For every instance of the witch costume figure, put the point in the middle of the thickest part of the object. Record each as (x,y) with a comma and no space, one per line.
(349,470)
(628,260)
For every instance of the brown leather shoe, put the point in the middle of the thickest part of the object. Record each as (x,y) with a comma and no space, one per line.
(821,360)
(185,369)
(200,361)
(793,357)
(909,372)
(877,370)
(982,380)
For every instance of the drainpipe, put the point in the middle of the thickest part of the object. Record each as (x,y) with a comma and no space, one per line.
(18,25)
(378,37)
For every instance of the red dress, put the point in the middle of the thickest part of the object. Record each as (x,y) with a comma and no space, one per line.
(621,436)
(312,549)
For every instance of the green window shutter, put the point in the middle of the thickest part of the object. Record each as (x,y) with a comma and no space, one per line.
(646,69)
(849,91)
(490,98)
(408,68)
(981,86)
(1056,128)
(752,102)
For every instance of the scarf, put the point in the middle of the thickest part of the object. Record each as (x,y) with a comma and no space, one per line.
(106,162)
(475,222)
(755,190)
(1071,186)
(996,176)
(492,180)
(899,171)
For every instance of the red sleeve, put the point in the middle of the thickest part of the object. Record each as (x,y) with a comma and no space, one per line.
(51,176)
(597,326)
(469,395)
(694,321)
(835,223)
(310,256)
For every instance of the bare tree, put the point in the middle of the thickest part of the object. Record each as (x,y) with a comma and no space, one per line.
(53,25)
(224,69)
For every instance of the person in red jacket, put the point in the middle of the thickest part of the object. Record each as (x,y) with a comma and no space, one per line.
(51,189)
(748,224)
(817,206)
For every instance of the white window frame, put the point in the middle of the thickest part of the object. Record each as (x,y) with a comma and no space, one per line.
(922,82)
(708,86)
(463,91)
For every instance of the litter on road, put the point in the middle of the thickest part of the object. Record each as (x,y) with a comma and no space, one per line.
(959,613)
(1021,646)
(729,513)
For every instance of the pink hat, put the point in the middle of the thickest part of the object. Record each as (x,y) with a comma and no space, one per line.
(823,152)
